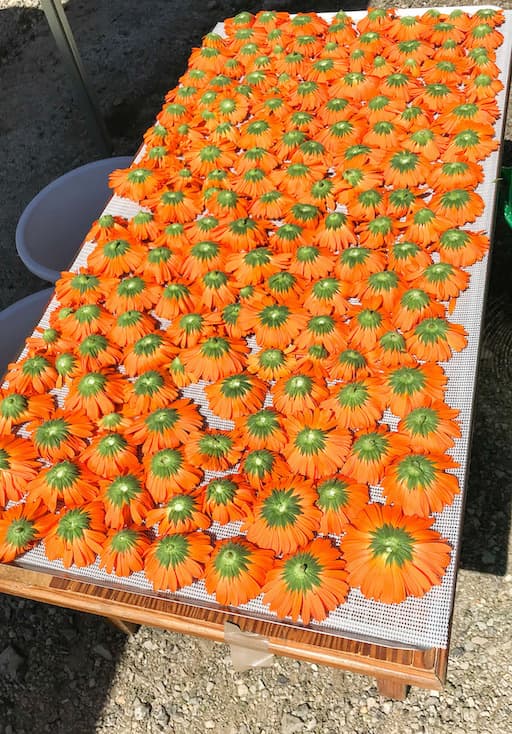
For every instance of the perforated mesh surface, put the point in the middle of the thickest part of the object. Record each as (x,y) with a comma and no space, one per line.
(416,622)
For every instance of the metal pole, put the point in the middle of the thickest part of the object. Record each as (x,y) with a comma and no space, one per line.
(65,41)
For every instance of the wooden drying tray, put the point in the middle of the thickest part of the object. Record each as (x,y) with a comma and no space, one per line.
(394,668)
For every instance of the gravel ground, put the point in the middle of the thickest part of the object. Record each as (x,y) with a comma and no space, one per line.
(68,673)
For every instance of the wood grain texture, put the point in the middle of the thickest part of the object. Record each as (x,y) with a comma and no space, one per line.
(424,668)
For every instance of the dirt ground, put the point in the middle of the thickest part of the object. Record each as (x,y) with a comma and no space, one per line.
(68,673)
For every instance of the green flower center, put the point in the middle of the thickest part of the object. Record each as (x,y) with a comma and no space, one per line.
(353,358)
(172,550)
(321,325)
(457,198)
(83,282)
(302,573)
(422,421)
(12,406)
(111,445)
(370,447)
(259,463)
(275,316)
(166,463)
(236,386)
(332,494)
(454,239)
(91,384)
(353,395)
(384,281)
(130,287)
(298,386)
(148,384)
(65,363)
(439,272)
(116,248)
(87,314)
(216,446)
(407,381)
(368,319)
(92,345)
(232,560)
(123,490)
(281,508)
(139,175)
(354,256)
(52,433)
(431,331)
(147,345)
(34,366)
(180,508)
(395,545)
(416,471)
(311,441)
(191,322)
(73,524)
(215,347)
(175,291)
(281,282)
(20,533)
(162,420)
(124,540)
(415,299)
(221,491)
(62,476)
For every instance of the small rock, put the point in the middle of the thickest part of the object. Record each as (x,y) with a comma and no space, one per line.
(302,711)
(291,724)
(371,703)
(242,690)
(141,710)
(160,714)
(209,724)
(282,679)
(387,707)
(102,651)
(10,661)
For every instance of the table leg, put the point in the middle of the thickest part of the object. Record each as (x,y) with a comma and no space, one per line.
(129,628)
(389,688)
(65,41)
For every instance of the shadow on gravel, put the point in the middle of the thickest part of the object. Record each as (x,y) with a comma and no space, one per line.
(56,668)
(488,506)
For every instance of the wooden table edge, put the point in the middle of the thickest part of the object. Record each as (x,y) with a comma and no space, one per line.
(394,668)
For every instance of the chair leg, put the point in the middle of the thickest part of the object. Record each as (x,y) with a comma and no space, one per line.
(129,628)
(389,688)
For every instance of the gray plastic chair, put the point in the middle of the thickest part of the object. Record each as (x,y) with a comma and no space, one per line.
(54,224)
(17,322)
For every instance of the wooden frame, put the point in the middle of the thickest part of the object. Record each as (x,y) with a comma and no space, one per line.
(394,668)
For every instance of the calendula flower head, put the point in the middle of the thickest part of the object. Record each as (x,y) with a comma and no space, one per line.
(67,482)
(174,561)
(20,529)
(18,466)
(123,550)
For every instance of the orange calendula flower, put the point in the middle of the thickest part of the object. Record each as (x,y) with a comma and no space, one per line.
(110,454)
(96,353)
(213,450)
(366,327)
(356,404)
(86,320)
(416,304)
(116,257)
(307,584)
(181,514)
(131,326)
(132,293)
(78,289)
(472,143)
(419,483)
(176,298)
(458,205)
(76,536)
(149,391)
(407,258)
(462,247)
(125,500)
(259,465)
(236,571)
(391,556)
(274,324)
(435,339)
(31,375)
(214,358)
(431,428)
(271,364)
(327,296)
(372,452)
(18,466)
(168,473)
(189,328)
(348,364)
(16,408)
(160,264)
(442,280)
(412,387)
(143,226)
(339,499)
(20,529)
(227,499)
(424,225)
(317,445)
(66,481)
(106,228)
(135,183)
(391,351)
(261,430)
(123,550)
(284,517)
(147,353)
(61,436)
(297,392)
(357,263)
(95,393)
(380,291)
(236,395)
(165,427)
(176,560)
(256,265)
(456,175)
